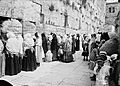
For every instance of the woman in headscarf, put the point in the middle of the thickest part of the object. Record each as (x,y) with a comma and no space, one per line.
(78,42)
(60,47)
(2,59)
(12,56)
(73,44)
(38,49)
(85,52)
(20,44)
(68,50)
(44,43)
(54,47)
(49,55)
(29,59)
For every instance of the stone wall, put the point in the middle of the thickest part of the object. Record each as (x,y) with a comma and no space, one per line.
(49,15)
(111,16)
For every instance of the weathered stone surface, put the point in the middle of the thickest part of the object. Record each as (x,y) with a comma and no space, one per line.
(12,25)
(29,27)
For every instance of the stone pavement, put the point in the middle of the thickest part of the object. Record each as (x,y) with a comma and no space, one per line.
(55,74)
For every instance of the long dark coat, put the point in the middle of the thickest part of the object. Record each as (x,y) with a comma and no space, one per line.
(44,43)
(78,43)
(54,47)
(73,45)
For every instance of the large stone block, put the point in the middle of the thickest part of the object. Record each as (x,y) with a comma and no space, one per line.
(12,25)
(29,27)
(5,8)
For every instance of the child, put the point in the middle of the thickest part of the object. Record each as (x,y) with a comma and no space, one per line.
(85,52)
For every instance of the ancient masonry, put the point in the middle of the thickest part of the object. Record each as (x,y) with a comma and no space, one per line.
(58,16)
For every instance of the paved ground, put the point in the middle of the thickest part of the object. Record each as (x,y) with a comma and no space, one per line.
(55,74)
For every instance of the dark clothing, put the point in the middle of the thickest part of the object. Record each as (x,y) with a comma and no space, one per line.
(116,73)
(67,54)
(67,57)
(110,46)
(29,61)
(104,36)
(54,47)
(44,43)
(73,45)
(85,50)
(93,54)
(12,66)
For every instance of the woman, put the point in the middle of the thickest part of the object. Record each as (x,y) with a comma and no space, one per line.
(2,60)
(39,50)
(67,51)
(73,44)
(78,43)
(93,56)
(20,43)
(60,50)
(12,55)
(49,53)
(54,48)
(44,43)
(29,59)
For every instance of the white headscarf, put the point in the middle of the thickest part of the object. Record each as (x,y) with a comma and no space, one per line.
(59,39)
(10,35)
(50,37)
(64,38)
(12,43)
(28,40)
(39,40)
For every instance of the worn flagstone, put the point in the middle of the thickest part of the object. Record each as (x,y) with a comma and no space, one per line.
(55,74)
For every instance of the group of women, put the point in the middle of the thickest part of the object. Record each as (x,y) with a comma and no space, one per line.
(26,52)
(103,59)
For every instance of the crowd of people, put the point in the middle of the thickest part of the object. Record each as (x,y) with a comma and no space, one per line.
(26,52)
(101,52)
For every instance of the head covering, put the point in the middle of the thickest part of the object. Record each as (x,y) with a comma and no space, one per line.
(64,38)
(50,37)
(39,40)
(10,35)
(12,43)
(28,40)
(59,39)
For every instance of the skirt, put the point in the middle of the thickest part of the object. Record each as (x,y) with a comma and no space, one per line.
(55,54)
(12,66)
(39,53)
(67,57)
(29,61)
(2,65)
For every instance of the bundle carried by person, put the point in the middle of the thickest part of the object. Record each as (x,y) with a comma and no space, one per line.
(49,56)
